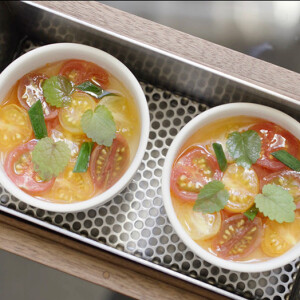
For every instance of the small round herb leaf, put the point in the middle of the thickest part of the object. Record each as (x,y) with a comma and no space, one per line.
(50,158)
(276,203)
(99,125)
(244,147)
(57,91)
(212,198)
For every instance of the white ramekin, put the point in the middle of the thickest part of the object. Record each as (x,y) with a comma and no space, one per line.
(220,112)
(55,52)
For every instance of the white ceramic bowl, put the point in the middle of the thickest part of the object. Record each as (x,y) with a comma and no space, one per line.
(55,52)
(220,112)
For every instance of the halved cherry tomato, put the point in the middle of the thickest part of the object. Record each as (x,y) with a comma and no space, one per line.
(15,126)
(109,163)
(123,114)
(274,138)
(242,185)
(261,172)
(79,71)
(70,116)
(19,168)
(72,187)
(30,90)
(289,180)
(74,141)
(279,238)
(238,237)
(198,225)
(194,168)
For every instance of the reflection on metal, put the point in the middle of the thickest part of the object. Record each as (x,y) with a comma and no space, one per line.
(258,50)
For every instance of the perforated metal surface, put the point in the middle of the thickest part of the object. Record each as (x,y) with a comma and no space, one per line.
(135,221)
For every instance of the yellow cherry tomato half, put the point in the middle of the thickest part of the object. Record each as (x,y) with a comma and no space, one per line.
(279,238)
(15,126)
(198,225)
(242,185)
(70,116)
(72,187)
(123,114)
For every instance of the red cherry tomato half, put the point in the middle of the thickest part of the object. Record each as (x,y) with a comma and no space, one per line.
(109,163)
(238,237)
(79,71)
(289,180)
(19,168)
(193,169)
(30,91)
(274,138)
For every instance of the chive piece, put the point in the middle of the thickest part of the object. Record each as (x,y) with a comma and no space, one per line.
(221,158)
(287,159)
(37,119)
(251,212)
(83,158)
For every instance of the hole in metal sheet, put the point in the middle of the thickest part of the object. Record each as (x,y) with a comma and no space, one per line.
(149,222)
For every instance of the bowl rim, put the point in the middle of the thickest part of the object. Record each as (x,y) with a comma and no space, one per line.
(216,113)
(118,69)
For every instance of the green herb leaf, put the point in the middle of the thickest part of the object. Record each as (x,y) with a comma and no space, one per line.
(94,90)
(287,159)
(57,91)
(221,158)
(276,203)
(50,158)
(37,119)
(99,125)
(212,198)
(251,212)
(83,158)
(244,147)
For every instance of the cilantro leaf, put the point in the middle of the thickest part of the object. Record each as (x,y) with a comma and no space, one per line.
(99,125)
(212,198)
(251,212)
(94,90)
(50,158)
(57,91)
(276,203)
(244,147)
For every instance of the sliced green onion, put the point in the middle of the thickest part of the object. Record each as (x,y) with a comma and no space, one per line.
(221,158)
(37,119)
(287,159)
(251,212)
(83,158)
(94,90)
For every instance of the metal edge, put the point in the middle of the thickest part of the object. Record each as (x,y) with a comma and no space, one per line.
(121,253)
(173,56)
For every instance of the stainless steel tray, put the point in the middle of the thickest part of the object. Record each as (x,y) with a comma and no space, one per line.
(134,224)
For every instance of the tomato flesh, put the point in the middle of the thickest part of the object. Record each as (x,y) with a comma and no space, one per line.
(279,238)
(79,71)
(108,163)
(242,185)
(193,169)
(19,168)
(70,116)
(289,180)
(198,225)
(72,187)
(238,237)
(274,138)
(30,91)
(15,126)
